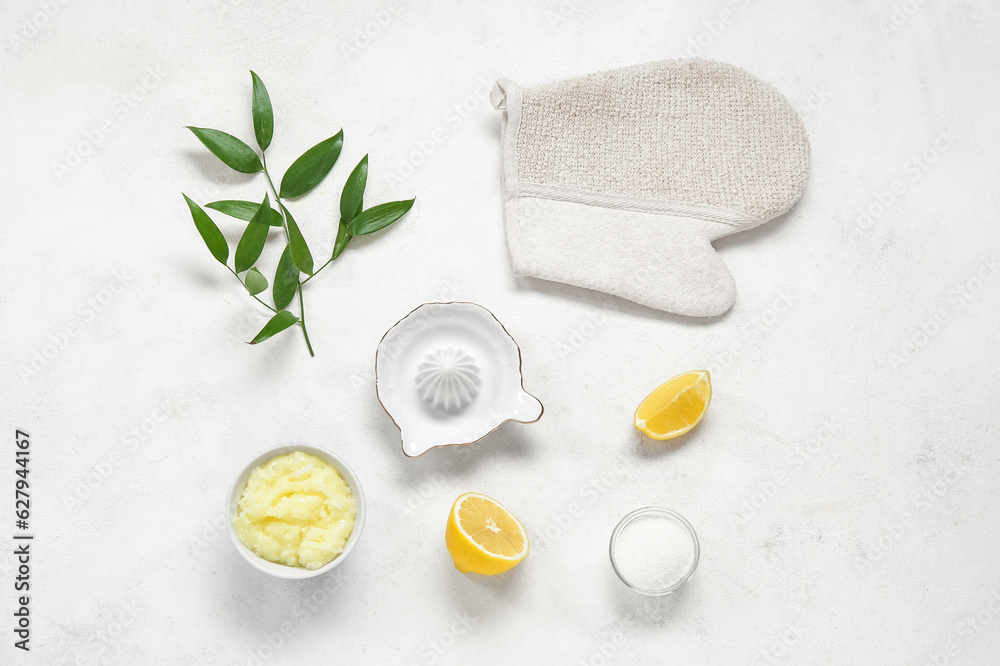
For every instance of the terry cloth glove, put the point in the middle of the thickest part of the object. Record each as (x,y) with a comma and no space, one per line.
(619,181)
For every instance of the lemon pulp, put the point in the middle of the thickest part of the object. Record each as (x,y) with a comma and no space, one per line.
(483,537)
(676,406)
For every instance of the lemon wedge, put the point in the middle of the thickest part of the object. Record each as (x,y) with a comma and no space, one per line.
(676,407)
(483,537)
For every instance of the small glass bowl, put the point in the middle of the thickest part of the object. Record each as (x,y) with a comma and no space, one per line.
(643,513)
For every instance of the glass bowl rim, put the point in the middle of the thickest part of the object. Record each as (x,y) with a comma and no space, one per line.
(642,512)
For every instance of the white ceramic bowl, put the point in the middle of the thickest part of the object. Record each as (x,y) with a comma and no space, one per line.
(281,570)
(476,364)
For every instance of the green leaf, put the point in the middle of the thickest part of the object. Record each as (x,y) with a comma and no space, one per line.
(286,279)
(263,116)
(210,233)
(378,217)
(300,251)
(343,238)
(243,210)
(253,239)
(254,282)
(312,167)
(277,324)
(236,154)
(354,190)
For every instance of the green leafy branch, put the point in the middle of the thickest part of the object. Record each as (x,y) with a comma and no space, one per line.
(302,176)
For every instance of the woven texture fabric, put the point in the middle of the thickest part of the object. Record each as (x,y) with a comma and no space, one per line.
(691,131)
(682,152)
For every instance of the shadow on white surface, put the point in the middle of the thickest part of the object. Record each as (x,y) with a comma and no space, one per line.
(759,235)
(645,611)
(510,440)
(604,301)
(270,611)
(657,448)
(211,168)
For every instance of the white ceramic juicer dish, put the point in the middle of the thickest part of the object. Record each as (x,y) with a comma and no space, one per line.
(449,374)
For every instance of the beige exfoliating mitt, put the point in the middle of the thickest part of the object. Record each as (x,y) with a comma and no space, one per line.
(619,181)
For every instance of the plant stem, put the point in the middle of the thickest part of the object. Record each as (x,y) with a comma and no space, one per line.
(263,161)
(284,227)
(277,197)
(254,295)
(302,321)
(316,272)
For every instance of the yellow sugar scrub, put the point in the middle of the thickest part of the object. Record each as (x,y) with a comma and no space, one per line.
(295,510)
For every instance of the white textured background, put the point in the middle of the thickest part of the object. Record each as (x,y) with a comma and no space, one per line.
(872,539)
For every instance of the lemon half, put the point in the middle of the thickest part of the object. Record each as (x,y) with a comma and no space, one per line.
(483,537)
